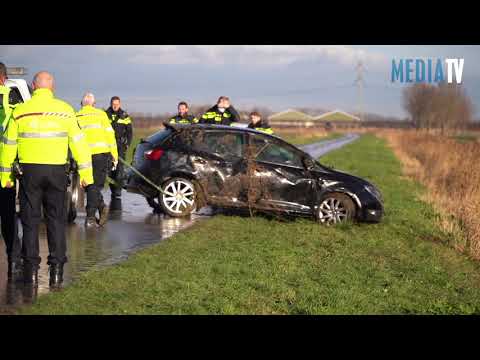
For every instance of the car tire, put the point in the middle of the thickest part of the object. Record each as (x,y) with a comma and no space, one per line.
(335,208)
(178,198)
(72,197)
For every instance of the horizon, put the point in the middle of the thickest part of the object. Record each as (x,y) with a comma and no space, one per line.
(153,79)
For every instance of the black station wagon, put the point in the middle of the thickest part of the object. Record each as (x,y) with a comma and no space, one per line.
(232,167)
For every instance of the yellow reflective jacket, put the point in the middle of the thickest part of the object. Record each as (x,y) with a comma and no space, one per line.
(41,132)
(96,126)
(261,126)
(6,110)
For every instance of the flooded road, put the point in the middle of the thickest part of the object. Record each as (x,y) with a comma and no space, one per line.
(321,148)
(135,228)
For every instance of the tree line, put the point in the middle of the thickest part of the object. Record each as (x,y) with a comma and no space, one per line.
(443,107)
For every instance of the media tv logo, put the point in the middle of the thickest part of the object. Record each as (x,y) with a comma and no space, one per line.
(427,70)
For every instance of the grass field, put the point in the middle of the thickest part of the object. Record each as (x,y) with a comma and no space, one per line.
(237,265)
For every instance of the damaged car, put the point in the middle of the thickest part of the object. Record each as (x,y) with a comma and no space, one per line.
(231,167)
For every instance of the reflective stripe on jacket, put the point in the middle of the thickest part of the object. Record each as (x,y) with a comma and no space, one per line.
(42,131)
(96,126)
(187,119)
(261,126)
(5,115)
(214,116)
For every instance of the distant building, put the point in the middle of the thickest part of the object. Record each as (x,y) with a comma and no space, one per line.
(290,115)
(332,119)
(336,115)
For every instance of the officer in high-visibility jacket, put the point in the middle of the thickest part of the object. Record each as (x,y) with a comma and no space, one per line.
(257,123)
(183,117)
(122,125)
(223,113)
(42,131)
(103,147)
(8,216)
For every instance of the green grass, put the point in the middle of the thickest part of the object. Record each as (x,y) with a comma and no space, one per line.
(466,137)
(235,265)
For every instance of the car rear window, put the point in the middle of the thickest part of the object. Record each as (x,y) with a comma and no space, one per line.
(228,145)
(159,137)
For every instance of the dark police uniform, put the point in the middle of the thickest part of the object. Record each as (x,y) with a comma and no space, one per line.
(186,119)
(263,126)
(215,117)
(122,125)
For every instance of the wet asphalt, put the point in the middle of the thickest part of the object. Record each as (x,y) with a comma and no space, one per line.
(136,227)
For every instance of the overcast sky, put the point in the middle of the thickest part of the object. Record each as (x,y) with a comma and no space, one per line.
(154,78)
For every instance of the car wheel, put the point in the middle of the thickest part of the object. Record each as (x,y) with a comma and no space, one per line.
(72,197)
(178,198)
(335,208)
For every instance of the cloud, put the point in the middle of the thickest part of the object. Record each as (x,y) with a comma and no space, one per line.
(250,55)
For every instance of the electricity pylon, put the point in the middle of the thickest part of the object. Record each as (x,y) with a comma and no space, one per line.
(360,82)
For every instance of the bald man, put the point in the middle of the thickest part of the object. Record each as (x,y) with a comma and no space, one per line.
(42,131)
(103,146)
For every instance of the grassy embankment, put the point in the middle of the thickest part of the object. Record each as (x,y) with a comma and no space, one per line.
(236,265)
(449,169)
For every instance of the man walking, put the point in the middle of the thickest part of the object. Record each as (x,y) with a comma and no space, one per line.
(42,131)
(122,125)
(103,147)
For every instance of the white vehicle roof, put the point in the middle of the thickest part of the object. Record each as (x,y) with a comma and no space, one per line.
(21,85)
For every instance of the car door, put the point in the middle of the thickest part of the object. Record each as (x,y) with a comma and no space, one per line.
(282,180)
(219,157)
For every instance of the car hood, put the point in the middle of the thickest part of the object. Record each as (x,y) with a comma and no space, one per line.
(341,176)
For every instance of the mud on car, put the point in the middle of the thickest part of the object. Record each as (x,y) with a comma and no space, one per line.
(230,167)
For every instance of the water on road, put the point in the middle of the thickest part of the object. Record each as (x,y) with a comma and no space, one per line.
(135,228)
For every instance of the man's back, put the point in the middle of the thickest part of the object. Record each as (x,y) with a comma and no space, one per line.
(43,123)
(96,126)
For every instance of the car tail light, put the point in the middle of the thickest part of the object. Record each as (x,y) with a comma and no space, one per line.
(154,154)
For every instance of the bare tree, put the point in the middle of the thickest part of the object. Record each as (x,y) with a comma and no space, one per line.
(443,106)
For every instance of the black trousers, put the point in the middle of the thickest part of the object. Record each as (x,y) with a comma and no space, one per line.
(101,165)
(43,185)
(118,175)
(8,218)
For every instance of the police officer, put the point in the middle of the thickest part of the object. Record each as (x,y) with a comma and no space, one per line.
(103,147)
(183,117)
(8,216)
(223,113)
(122,125)
(42,131)
(257,123)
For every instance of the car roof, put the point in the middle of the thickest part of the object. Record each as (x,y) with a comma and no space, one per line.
(228,129)
(219,127)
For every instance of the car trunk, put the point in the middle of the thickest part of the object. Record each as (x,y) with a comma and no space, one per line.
(135,183)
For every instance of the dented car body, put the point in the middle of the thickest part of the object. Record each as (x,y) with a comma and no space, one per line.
(229,167)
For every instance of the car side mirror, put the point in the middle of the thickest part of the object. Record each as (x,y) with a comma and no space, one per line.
(308,163)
